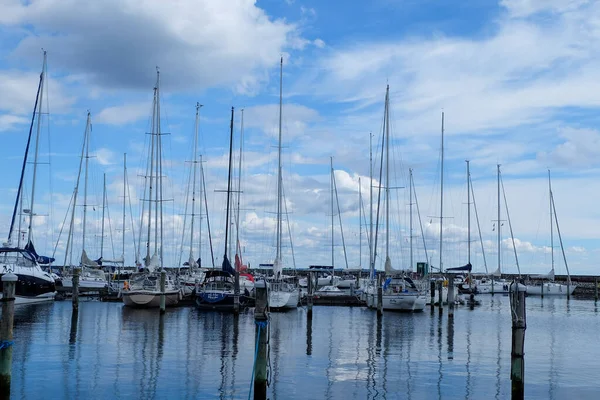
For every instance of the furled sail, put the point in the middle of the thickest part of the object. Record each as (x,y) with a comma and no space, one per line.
(86,261)
(389,270)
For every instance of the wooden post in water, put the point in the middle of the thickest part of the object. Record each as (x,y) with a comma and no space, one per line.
(9,281)
(236,292)
(595,289)
(542,289)
(450,297)
(75,281)
(379,295)
(440,285)
(163,302)
(432,289)
(519,324)
(261,318)
(309,297)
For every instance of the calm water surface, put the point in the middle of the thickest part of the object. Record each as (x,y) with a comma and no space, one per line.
(345,353)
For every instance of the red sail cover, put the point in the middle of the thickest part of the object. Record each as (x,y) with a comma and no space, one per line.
(242,268)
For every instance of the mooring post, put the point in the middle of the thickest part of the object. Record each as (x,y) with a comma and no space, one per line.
(432,290)
(596,289)
(236,293)
(261,319)
(309,297)
(9,281)
(440,285)
(542,290)
(519,324)
(163,302)
(450,297)
(75,281)
(379,295)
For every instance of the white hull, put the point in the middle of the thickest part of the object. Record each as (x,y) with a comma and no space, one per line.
(42,298)
(404,302)
(84,284)
(499,287)
(149,299)
(283,299)
(550,289)
(327,281)
(346,283)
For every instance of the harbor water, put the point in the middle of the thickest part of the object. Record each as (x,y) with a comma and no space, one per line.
(108,351)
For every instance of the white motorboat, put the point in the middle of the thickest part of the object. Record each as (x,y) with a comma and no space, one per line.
(346,282)
(143,291)
(325,280)
(330,291)
(90,279)
(33,285)
(550,289)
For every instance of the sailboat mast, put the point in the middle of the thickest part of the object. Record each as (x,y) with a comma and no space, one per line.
(332,213)
(442,195)
(85,177)
(359,225)
(278,254)
(195,161)
(158,204)
(238,249)
(468,213)
(35,157)
(498,221)
(228,184)
(551,222)
(410,204)
(124,198)
(478,226)
(103,209)
(151,178)
(371,245)
(387,173)
(212,255)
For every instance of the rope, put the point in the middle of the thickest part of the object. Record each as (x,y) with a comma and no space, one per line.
(261,325)
(5,344)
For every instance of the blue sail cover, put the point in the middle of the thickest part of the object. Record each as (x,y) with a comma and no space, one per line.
(40,259)
(226,267)
(467,267)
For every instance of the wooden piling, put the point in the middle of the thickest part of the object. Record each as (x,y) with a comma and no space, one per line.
(542,290)
(163,280)
(432,290)
(440,285)
(309,297)
(75,296)
(450,298)
(596,289)
(261,318)
(379,295)
(519,324)
(9,281)
(236,293)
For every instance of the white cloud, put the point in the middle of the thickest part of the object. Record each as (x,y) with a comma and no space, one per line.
(8,122)
(580,148)
(296,119)
(104,156)
(525,8)
(123,114)
(197,44)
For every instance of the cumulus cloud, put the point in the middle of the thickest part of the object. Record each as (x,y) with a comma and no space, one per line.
(123,114)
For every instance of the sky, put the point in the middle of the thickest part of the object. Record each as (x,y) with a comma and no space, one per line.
(517,81)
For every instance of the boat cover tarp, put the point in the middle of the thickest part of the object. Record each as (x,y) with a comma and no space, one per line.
(466,267)
(40,259)
(226,267)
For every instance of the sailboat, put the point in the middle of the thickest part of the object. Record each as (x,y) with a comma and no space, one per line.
(144,289)
(194,274)
(283,291)
(91,277)
(400,293)
(551,287)
(218,290)
(34,285)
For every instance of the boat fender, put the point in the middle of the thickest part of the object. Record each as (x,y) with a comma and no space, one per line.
(126,285)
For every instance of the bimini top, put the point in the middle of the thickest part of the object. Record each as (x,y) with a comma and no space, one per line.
(320,267)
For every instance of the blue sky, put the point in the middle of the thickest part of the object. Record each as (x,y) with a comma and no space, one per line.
(517,80)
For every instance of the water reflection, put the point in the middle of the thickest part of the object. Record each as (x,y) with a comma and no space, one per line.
(450,338)
(309,336)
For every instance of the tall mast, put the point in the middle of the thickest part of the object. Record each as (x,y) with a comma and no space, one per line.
(19,200)
(332,213)
(88,127)
(478,226)
(359,225)
(468,212)
(498,222)
(278,254)
(124,197)
(228,184)
(551,222)
(35,157)
(442,196)
(410,172)
(237,222)
(151,178)
(103,208)
(159,185)
(212,255)
(387,173)
(371,243)
(194,161)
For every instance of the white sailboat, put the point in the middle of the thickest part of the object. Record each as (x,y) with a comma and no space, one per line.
(91,277)
(551,287)
(34,285)
(400,293)
(144,289)
(283,291)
